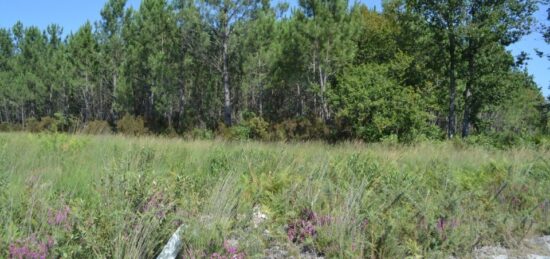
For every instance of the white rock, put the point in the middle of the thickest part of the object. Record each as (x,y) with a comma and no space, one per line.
(172,248)
(491,252)
(258,216)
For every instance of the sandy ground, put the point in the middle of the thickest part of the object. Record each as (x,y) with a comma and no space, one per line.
(534,248)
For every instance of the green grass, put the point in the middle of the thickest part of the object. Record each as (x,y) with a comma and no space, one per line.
(125,196)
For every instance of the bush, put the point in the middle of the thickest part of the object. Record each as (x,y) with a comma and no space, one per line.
(258,128)
(373,104)
(170,132)
(58,122)
(32,125)
(391,139)
(542,141)
(49,124)
(252,127)
(8,127)
(284,130)
(198,133)
(96,128)
(132,125)
(317,129)
(300,129)
(238,132)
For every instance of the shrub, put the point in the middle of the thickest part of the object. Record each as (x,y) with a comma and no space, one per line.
(50,124)
(391,139)
(73,124)
(480,140)
(300,129)
(258,128)
(96,128)
(198,133)
(7,127)
(239,132)
(170,132)
(252,128)
(32,125)
(132,125)
(318,129)
(374,105)
(284,130)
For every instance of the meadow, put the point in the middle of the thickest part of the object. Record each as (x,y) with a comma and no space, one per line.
(78,196)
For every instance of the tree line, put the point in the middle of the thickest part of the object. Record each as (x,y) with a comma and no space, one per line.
(322,69)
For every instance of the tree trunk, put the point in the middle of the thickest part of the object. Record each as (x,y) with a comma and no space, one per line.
(225,72)
(302,104)
(112,99)
(65,100)
(87,104)
(50,101)
(181,105)
(23,115)
(468,91)
(260,101)
(452,86)
(324,106)
(2,113)
(466,119)
(472,46)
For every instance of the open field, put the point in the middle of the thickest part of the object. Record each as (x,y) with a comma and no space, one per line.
(113,196)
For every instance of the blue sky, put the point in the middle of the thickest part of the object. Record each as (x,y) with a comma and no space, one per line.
(73,13)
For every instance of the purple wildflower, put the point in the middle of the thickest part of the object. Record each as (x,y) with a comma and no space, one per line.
(306,226)
(291,232)
(441,224)
(230,249)
(30,248)
(59,217)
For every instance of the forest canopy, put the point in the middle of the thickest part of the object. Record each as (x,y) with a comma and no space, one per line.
(251,69)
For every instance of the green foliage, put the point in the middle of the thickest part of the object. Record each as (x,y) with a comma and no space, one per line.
(8,127)
(45,124)
(258,128)
(519,114)
(331,70)
(199,134)
(251,128)
(300,129)
(237,132)
(374,106)
(96,128)
(131,125)
(48,124)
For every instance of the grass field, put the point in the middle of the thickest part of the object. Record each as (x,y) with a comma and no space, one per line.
(119,197)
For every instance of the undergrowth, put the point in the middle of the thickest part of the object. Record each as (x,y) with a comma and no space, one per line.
(119,197)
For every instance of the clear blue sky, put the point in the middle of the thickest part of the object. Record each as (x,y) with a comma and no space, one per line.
(71,14)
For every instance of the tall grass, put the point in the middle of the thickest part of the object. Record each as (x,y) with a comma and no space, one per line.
(120,197)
